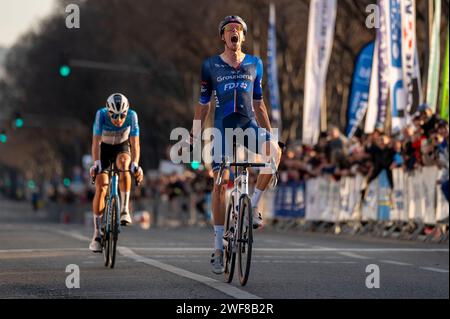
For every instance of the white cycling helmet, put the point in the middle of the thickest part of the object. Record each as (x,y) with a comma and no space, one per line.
(117,103)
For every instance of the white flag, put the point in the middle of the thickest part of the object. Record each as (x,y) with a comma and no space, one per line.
(322,16)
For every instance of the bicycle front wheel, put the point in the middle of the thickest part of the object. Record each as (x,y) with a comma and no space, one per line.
(245,238)
(229,240)
(106,234)
(114,230)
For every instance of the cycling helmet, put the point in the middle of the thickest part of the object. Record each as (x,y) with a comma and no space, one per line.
(117,103)
(232,19)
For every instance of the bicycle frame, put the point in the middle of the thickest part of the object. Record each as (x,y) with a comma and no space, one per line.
(113,192)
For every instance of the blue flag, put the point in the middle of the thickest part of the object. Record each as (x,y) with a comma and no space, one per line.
(272,70)
(359,96)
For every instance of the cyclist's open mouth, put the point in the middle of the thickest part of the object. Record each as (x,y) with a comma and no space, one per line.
(234,39)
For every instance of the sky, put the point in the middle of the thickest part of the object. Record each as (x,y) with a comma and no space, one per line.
(18,16)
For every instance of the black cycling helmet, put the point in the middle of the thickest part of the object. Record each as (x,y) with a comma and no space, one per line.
(232,19)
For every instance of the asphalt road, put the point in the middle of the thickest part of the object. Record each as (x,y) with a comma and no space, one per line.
(173,263)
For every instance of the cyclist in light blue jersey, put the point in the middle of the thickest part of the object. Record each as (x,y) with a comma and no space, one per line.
(115,139)
(235,78)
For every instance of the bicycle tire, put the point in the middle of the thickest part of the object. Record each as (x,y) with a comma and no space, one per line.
(229,252)
(114,230)
(106,234)
(245,238)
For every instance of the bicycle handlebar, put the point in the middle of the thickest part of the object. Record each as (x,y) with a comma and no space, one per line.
(225,164)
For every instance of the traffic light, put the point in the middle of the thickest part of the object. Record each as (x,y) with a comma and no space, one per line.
(64,70)
(18,121)
(67,182)
(64,66)
(3,137)
(195,165)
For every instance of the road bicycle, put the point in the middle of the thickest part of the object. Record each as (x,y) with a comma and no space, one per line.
(110,223)
(238,229)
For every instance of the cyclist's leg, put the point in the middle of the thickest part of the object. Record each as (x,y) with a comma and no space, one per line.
(101,187)
(98,207)
(267,146)
(101,182)
(218,210)
(123,160)
(218,203)
(270,150)
(123,163)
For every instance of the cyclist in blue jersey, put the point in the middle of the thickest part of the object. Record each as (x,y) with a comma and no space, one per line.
(115,138)
(235,78)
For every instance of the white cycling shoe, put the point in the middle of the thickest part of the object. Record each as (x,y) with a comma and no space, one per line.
(95,245)
(217,264)
(257,219)
(125,218)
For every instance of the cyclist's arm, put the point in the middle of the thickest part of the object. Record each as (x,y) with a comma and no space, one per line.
(96,140)
(201,113)
(262,117)
(135,149)
(204,104)
(134,139)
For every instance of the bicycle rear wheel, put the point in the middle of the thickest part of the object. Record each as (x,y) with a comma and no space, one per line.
(114,230)
(245,238)
(229,251)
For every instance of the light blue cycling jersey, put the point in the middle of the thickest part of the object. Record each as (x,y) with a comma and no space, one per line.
(112,134)
(234,88)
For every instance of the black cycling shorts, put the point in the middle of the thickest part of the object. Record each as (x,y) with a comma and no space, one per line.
(108,153)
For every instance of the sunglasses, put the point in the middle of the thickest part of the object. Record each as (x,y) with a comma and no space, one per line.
(230,27)
(115,116)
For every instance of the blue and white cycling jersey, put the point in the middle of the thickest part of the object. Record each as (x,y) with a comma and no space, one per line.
(112,134)
(234,89)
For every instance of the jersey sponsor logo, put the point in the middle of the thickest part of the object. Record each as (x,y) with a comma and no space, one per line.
(238,85)
(116,137)
(203,87)
(234,77)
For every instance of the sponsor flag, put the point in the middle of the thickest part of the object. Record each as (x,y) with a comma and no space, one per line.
(372,108)
(359,95)
(322,16)
(383,40)
(397,89)
(272,73)
(408,16)
(433,66)
(444,92)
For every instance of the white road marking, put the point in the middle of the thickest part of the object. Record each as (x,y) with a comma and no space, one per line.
(208,249)
(352,255)
(369,250)
(434,269)
(40,250)
(221,286)
(393,262)
(72,234)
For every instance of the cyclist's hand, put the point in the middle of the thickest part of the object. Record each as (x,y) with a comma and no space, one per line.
(137,171)
(96,168)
